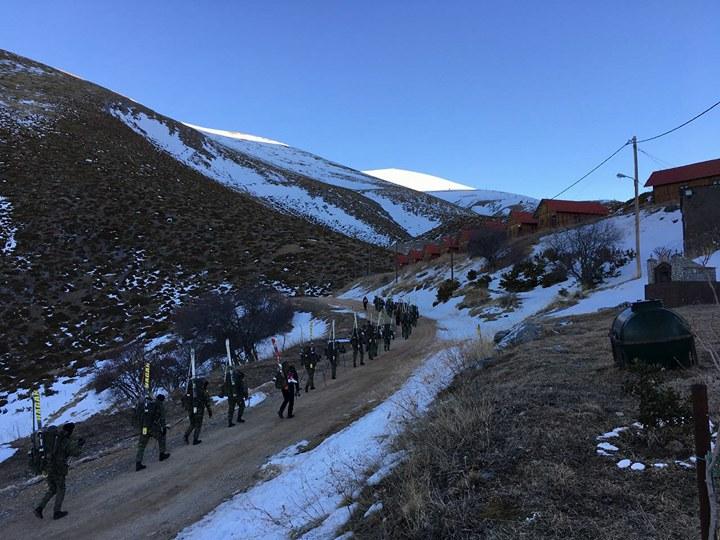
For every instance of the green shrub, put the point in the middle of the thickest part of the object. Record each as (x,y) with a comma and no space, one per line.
(472,275)
(446,290)
(554,276)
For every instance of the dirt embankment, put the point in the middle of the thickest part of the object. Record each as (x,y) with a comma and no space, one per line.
(511,450)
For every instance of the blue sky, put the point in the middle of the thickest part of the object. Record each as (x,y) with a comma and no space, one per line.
(518,96)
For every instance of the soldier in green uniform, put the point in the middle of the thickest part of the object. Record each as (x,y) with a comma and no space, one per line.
(59,450)
(237,392)
(196,403)
(387,335)
(309,359)
(331,353)
(152,425)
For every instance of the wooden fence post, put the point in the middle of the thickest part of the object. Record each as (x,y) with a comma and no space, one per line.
(702,447)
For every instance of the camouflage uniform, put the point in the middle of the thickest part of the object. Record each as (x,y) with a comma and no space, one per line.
(309,362)
(387,335)
(237,392)
(357,347)
(57,469)
(196,416)
(332,356)
(156,430)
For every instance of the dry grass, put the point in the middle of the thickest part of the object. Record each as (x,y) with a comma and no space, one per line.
(509,451)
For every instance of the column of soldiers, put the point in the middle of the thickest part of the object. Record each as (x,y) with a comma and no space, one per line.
(151,416)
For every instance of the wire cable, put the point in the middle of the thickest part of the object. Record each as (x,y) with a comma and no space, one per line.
(595,168)
(656,159)
(681,125)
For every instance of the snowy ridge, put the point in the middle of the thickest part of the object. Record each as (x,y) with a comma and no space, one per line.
(415,213)
(217,163)
(417,180)
(487,202)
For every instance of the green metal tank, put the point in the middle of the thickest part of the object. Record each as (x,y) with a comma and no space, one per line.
(649,333)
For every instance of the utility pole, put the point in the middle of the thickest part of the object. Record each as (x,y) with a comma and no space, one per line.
(637,212)
(452,266)
(396,262)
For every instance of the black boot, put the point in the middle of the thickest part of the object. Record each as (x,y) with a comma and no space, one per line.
(230,424)
(38,512)
(240,421)
(280,414)
(59,514)
(139,466)
(186,438)
(164,456)
(196,441)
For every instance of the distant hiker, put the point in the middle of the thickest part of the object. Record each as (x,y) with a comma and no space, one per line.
(365,302)
(357,347)
(290,389)
(309,360)
(331,353)
(60,446)
(237,392)
(387,335)
(196,400)
(371,344)
(152,425)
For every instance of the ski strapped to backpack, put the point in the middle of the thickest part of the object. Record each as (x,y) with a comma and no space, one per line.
(279,375)
(147,400)
(38,451)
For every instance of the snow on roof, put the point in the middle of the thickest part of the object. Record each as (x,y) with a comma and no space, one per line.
(417,180)
(685,173)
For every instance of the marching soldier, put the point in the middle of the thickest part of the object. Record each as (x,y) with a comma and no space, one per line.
(196,405)
(63,447)
(387,335)
(331,354)
(152,426)
(309,361)
(237,392)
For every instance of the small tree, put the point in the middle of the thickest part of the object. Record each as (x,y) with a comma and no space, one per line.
(487,244)
(123,375)
(244,317)
(589,253)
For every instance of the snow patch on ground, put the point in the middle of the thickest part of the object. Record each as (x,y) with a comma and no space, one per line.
(313,484)
(7,229)
(6,452)
(303,325)
(16,415)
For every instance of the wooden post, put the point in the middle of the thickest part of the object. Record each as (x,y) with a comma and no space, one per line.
(702,447)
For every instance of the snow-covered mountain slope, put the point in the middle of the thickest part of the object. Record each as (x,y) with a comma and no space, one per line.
(416,213)
(485,202)
(416,180)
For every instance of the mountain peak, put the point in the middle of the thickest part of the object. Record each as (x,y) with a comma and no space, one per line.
(417,180)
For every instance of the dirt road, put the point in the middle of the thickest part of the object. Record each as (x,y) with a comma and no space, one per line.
(108,499)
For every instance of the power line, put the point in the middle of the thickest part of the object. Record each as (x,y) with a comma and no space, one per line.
(616,152)
(595,168)
(681,125)
(656,159)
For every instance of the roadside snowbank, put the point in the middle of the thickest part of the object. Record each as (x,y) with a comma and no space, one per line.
(312,485)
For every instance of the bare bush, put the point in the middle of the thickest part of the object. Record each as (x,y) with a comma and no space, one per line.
(589,253)
(244,317)
(665,254)
(487,244)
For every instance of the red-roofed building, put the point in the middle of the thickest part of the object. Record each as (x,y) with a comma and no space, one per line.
(521,223)
(415,255)
(552,213)
(431,251)
(667,183)
(402,260)
(451,244)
